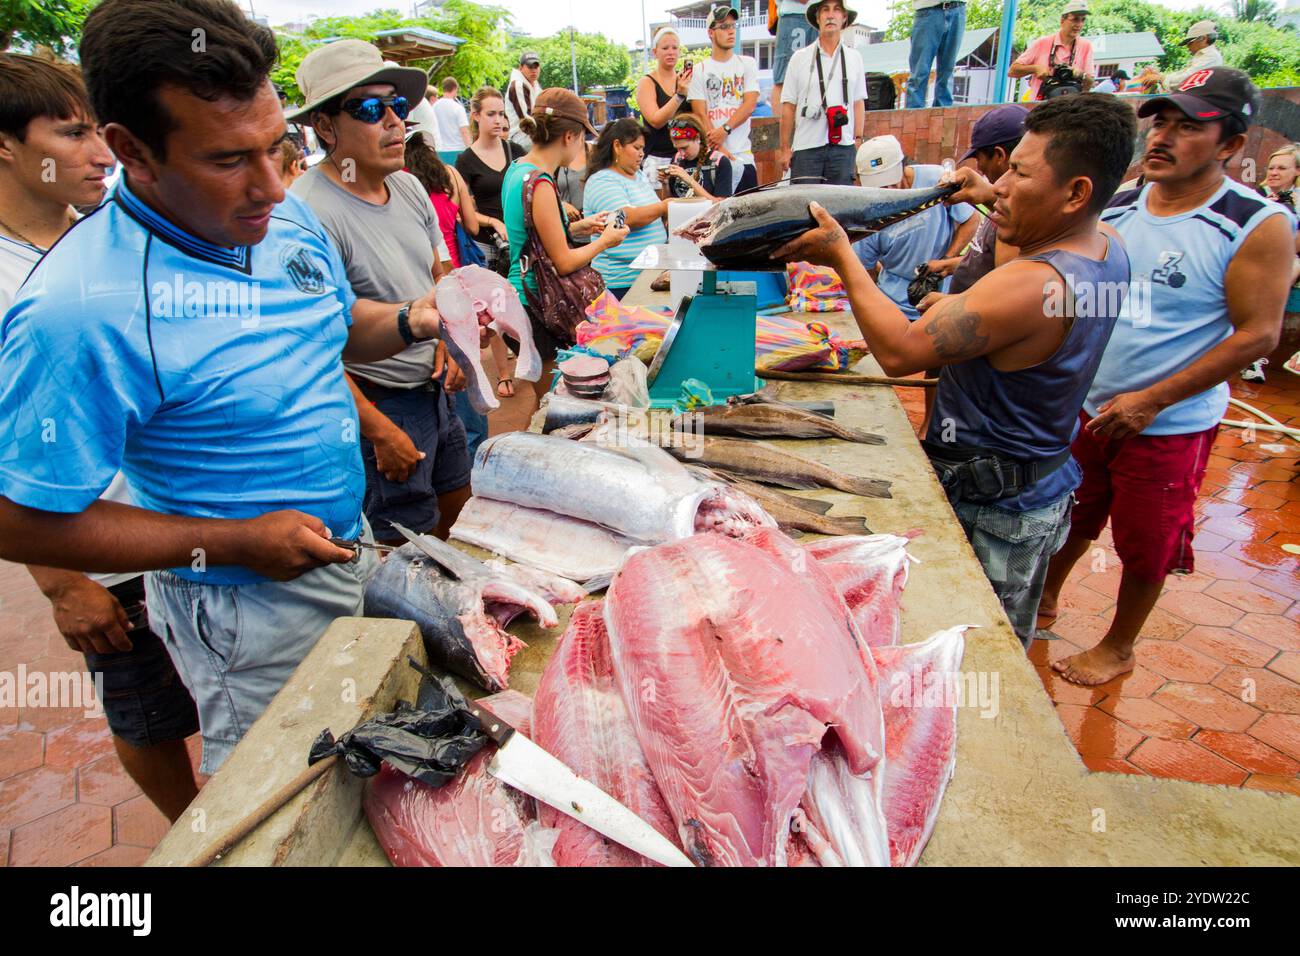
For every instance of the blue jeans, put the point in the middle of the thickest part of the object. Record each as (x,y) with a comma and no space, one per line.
(476,425)
(793,32)
(829,164)
(936,34)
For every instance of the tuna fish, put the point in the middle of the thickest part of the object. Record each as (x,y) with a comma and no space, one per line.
(461,606)
(870,572)
(743,231)
(462,297)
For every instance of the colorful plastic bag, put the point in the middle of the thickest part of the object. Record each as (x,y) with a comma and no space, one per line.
(815,289)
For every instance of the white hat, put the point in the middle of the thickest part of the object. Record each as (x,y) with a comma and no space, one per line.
(880,161)
(1075,6)
(664,32)
(337,67)
(1201,28)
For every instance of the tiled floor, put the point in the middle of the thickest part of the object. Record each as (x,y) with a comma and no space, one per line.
(1232,627)
(1215,696)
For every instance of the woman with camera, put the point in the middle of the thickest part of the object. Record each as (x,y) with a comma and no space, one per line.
(666,89)
(616,185)
(695,173)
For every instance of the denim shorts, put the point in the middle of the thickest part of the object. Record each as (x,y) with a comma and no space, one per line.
(235,646)
(1014,548)
(793,32)
(144,699)
(434,428)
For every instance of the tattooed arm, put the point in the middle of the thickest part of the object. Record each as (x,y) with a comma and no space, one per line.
(1002,310)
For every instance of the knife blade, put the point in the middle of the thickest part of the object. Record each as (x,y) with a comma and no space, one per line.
(525,766)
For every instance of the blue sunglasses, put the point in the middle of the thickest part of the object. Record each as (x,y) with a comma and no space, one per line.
(371,109)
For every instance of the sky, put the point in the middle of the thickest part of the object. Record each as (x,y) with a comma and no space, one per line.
(618,19)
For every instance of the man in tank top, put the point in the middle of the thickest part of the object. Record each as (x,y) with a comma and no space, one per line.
(1020,347)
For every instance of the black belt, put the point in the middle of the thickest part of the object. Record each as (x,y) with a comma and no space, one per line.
(376,392)
(978,474)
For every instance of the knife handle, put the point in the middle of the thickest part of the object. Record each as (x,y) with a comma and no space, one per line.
(496,728)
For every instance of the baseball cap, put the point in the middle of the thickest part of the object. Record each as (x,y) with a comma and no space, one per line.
(1075,6)
(557,101)
(1000,125)
(719,14)
(1215,93)
(529,58)
(1201,28)
(880,161)
(337,67)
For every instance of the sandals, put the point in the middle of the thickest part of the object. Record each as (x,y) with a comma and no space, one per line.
(509,384)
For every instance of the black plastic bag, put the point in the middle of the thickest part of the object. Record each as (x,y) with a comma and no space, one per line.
(430,741)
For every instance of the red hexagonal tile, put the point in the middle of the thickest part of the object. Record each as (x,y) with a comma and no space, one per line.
(1164,623)
(1248,753)
(1111,765)
(1084,600)
(1147,716)
(1063,692)
(1285,583)
(105,782)
(20,750)
(1287,664)
(1276,631)
(1207,706)
(34,793)
(1235,529)
(1196,581)
(1279,731)
(1137,683)
(1283,489)
(1223,566)
(1096,733)
(1261,781)
(83,742)
(1177,662)
(137,822)
(1105,583)
(63,837)
(1185,760)
(1270,692)
(1200,609)
(1228,646)
(1248,597)
(119,855)
(1208,542)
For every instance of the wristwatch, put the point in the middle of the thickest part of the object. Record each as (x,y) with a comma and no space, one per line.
(726,128)
(404,323)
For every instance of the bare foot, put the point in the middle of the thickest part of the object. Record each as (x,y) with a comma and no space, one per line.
(1095,666)
(1047,614)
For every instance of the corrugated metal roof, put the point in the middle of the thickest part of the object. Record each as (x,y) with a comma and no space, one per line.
(892,57)
(422,32)
(1125,46)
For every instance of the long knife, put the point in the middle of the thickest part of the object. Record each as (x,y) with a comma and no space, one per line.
(525,766)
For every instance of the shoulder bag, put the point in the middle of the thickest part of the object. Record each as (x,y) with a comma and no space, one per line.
(559,302)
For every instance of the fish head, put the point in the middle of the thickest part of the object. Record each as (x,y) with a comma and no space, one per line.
(706,224)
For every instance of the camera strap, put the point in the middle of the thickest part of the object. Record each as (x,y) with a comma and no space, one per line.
(821,80)
(1051,54)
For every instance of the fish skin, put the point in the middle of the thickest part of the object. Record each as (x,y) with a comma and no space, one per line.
(563,411)
(460,633)
(582,721)
(741,232)
(762,462)
(770,420)
(461,296)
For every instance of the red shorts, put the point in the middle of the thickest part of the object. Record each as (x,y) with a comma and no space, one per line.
(1147,486)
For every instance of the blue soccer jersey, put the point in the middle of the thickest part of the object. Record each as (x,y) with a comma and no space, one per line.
(211,377)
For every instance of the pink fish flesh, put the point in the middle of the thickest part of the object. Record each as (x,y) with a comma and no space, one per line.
(870,572)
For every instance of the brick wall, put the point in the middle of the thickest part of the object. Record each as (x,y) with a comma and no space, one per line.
(932,135)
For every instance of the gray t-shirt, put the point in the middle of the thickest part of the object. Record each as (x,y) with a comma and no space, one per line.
(388,251)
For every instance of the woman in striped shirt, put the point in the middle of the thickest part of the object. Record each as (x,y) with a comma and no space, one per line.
(616,184)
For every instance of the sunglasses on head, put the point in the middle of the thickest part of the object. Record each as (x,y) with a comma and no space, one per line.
(371,108)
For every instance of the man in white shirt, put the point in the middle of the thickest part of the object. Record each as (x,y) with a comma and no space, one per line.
(1200,43)
(723,93)
(822,101)
(451,124)
(522,91)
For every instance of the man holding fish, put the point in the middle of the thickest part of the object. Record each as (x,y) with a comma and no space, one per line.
(1015,370)
(234,426)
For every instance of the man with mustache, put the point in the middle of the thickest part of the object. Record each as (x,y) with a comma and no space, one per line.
(385,228)
(1211,269)
(190,333)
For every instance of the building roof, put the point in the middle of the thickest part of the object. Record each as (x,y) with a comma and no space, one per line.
(1125,46)
(422,33)
(892,57)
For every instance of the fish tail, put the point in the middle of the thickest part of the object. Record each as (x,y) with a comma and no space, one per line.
(856,435)
(866,487)
(848,524)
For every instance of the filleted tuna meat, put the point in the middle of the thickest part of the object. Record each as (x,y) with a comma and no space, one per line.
(870,572)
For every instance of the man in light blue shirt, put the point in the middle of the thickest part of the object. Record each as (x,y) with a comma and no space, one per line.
(189,333)
(941,232)
(1211,270)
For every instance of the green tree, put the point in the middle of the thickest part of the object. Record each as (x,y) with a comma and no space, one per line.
(601,61)
(1254,11)
(52,23)
(979,15)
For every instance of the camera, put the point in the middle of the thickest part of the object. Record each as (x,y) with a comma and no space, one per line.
(923,283)
(837,117)
(620,220)
(1062,82)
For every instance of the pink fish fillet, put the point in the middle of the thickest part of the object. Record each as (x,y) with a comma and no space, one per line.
(737,669)
(917,689)
(474,820)
(581,719)
(870,572)
(461,297)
